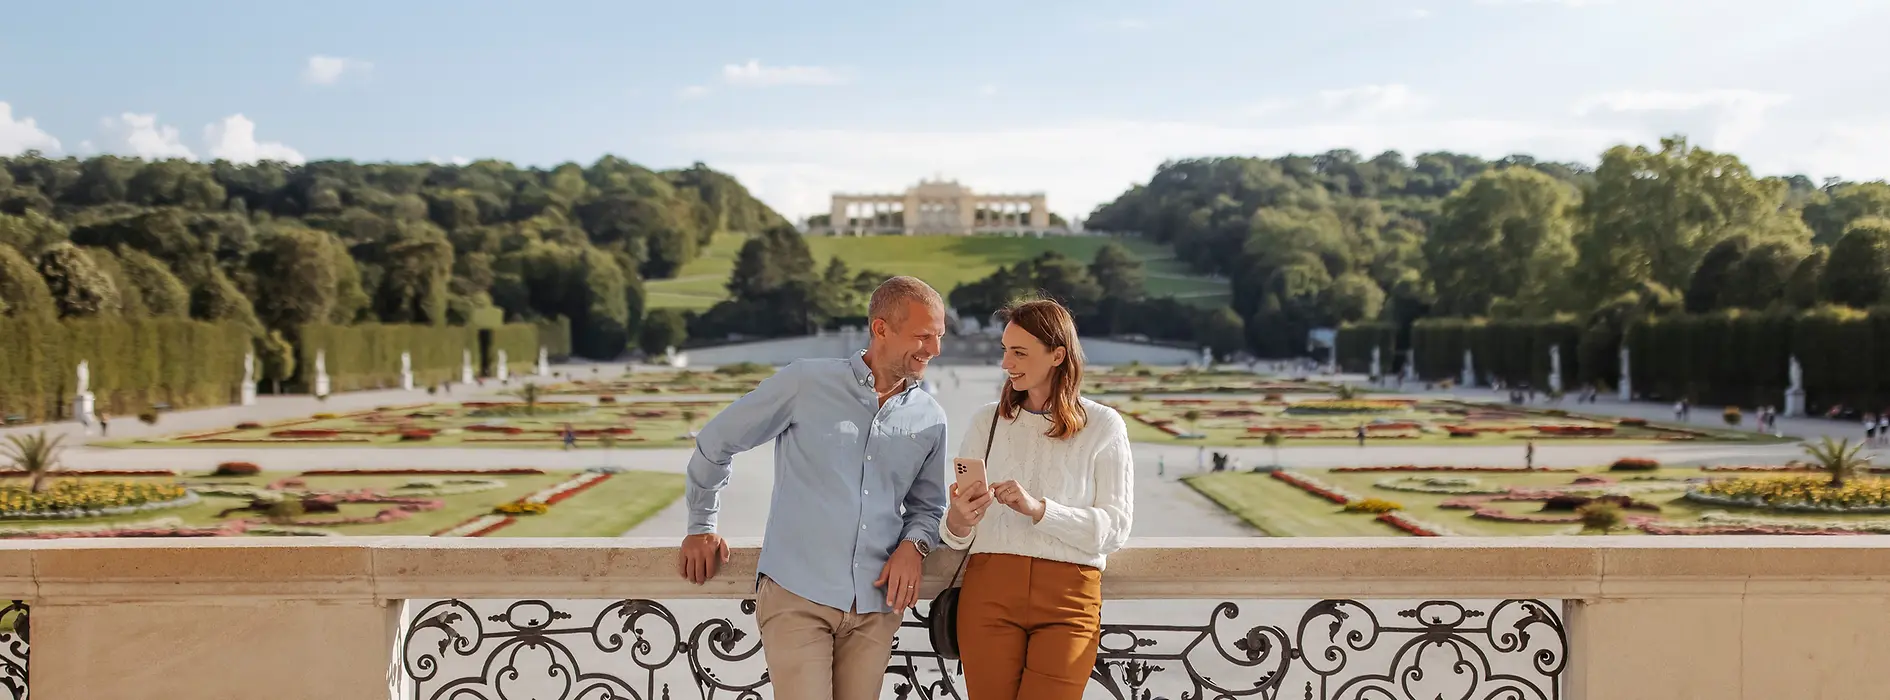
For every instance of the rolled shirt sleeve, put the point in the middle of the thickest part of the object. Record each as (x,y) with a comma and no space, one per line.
(926,503)
(754,419)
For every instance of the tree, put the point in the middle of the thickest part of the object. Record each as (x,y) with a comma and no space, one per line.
(162,294)
(1804,288)
(529,393)
(1118,272)
(1352,298)
(1840,459)
(1192,417)
(1651,214)
(79,289)
(36,455)
(1222,332)
(1273,439)
(278,358)
(1830,214)
(1858,272)
(1760,279)
(296,279)
(1507,233)
(662,329)
(31,232)
(22,290)
(1712,280)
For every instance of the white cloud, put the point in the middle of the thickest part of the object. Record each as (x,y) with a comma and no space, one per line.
(1129,24)
(1723,119)
(234,139)
(693,92)
(86,148)
(1370,101)
(22,135)
(753,73)
(141,135)
(461,161)
(328,70)
(987,90)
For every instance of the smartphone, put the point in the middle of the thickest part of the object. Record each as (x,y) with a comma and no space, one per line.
(969,471)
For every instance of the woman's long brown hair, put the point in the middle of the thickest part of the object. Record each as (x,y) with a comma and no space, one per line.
(1052,325)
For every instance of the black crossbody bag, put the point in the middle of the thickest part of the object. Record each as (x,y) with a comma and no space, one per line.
(942,623)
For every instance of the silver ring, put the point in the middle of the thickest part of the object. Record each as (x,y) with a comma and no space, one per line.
(908,585)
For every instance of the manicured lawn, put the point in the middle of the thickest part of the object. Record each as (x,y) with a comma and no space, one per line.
(1281,510)
(1284,510)
(942,261)
(607,509)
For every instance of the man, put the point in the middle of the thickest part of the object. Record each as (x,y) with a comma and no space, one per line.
(859,463)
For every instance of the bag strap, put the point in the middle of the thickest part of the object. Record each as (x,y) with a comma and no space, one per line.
(988,439)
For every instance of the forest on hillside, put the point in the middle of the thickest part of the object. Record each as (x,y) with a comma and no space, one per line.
(275,246)
(1331,239)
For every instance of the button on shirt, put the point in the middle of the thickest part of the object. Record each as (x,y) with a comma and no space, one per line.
(852,479)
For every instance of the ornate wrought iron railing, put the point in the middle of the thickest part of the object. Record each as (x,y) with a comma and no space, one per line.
(15,640)
(1150,650)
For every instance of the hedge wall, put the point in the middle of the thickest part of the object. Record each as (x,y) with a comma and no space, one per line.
(520,343)
(555,335)
(134,364)
(1355,343)
(1743,359)
(367,356)
(1515,351)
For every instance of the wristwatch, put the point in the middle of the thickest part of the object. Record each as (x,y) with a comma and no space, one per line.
(925,550)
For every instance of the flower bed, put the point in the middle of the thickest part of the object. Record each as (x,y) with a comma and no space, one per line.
(64,473)
(534,504)
(1457,486)
(1575,430)
(305,433)
(1351,406)
(483,428)
(479,526)
(1796,493)
(237,469)
(1372,505)
(1313,486)
(1634,464)
(1412,526)
(509,471)
(75,499)
(1418,468)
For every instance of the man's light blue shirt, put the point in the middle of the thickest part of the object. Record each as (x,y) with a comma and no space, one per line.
(852,479)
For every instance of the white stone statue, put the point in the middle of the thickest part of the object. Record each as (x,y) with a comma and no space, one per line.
(544,362)
(321,372)
(465,367)
(503,372)
(406,371)
(1375,372)
(1555,369)
(248,387)
(85,378)
(82,400)
(1627,376)
(1410,365)
(1469,370)
(1795,395)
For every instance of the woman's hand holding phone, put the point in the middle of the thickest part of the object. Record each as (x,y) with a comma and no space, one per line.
(968,506)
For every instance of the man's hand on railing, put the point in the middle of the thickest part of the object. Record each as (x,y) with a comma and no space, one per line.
(701,556)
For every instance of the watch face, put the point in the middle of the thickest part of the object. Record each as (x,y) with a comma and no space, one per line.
(924,550)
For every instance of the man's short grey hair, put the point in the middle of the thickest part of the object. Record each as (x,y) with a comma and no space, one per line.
(890,299)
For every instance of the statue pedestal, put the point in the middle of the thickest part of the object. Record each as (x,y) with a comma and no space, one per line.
(1794,403)
(1627,389)
(321,385)
(406,381)
(465,374)
(249,394)
(83,407)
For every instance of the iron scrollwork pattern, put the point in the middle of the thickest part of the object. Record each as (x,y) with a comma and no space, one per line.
(1263,649)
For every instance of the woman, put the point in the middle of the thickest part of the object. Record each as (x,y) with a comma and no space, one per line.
(1029,616)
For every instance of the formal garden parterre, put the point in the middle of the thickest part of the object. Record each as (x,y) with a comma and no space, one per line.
(1142,379)
(1631,496)
(238,499)
(736,379)
(499,423)
(1309,420)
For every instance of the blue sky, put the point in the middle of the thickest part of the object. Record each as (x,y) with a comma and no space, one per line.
(1075,99)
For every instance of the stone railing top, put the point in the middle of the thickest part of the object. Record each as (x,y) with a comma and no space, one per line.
(84,570)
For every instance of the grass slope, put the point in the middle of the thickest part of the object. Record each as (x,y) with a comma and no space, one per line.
(942,261)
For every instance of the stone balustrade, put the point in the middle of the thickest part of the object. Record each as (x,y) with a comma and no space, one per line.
(1607,618)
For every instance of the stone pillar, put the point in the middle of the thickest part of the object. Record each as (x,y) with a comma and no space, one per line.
(406,371)
(837,215)
(1039,213)
(967,213)
(1626,385)
(915,213)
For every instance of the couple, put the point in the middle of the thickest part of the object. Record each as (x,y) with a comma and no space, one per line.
(860,498)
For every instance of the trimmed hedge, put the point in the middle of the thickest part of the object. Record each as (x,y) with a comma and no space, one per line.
(555,335)
(134,364)
(1355,343)
(1515,351)
(367,356)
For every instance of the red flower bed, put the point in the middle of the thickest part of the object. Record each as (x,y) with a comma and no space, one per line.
(561,496)
(1575,430)
(1492,513)
(248,425)
(510,471)
(305,433)
(279,441)
(1632,422)
(1285,429)
(1302,485)
(1655,527)
(230,529)
(237,469)
(416,435)
(1758,468)
(507,429)
(1397,520)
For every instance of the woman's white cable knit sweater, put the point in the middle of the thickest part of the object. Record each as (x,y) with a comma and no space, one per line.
(1087,482)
